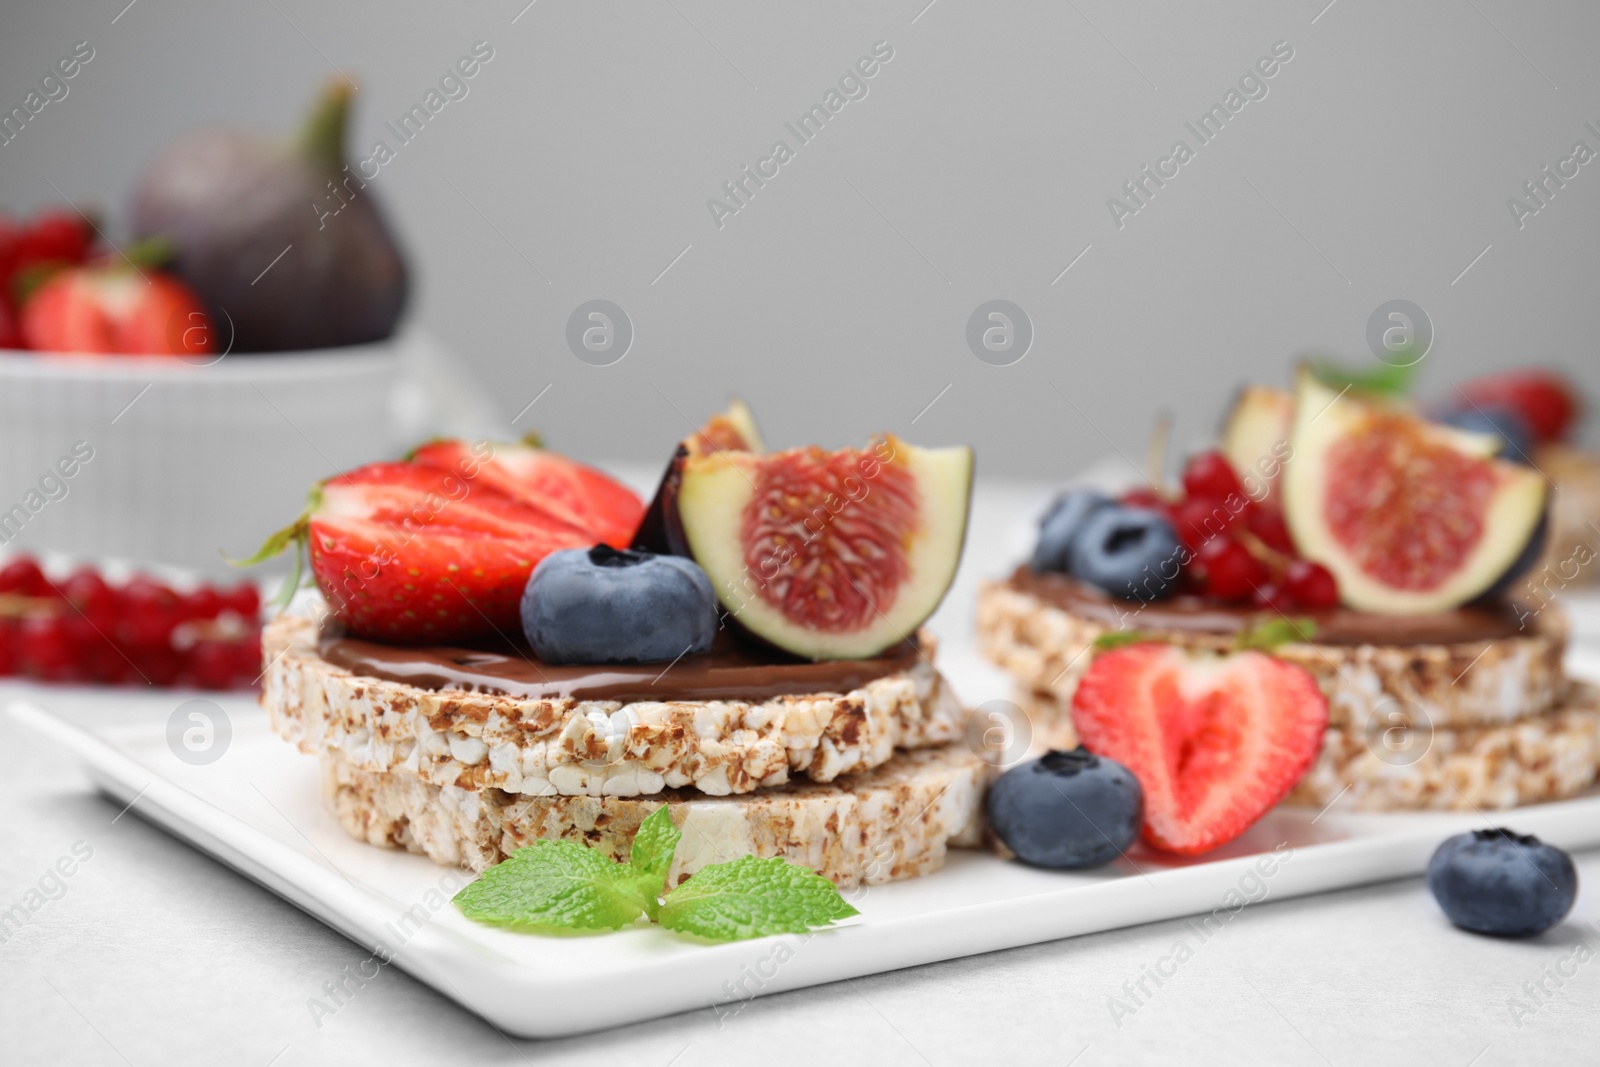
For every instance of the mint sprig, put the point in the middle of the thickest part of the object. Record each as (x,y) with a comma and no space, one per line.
(554,885)
(752,897)
(1119,638)
(1268,634)
(1385,379)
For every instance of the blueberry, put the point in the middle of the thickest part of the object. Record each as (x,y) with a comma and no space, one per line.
(1129,552)
(1066,810)
(602,605)
(1057,526)
(1496,419)
(1499,882)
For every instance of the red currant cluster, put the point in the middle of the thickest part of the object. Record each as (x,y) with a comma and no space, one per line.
(84,629)
(1242,551)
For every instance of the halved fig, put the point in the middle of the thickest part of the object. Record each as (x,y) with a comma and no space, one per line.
(571,491)
(829,555)
(733,430)
(1410,516)
(1255,437)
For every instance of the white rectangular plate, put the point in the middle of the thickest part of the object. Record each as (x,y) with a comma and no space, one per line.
(257,809)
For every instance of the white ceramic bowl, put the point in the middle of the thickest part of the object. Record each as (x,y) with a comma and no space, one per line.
(156,460)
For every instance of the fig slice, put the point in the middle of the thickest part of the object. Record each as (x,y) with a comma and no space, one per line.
(829,555)
(1410,516)
(1255,438)
(732,430)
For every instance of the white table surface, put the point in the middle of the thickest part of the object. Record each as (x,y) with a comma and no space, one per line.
(156,954)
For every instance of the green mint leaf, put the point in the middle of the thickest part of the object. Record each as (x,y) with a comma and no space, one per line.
(1268,634)
(653,846)
(752,897)
(1118,638)
(1390,378)
(554,884)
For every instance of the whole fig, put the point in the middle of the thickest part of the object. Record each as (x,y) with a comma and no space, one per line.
(282,239)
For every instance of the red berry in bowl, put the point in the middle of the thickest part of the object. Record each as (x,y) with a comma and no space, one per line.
(212,664)
(1209,476)
(44,647)
(244,601)
(10,332)
(54,236)
(23,577)
(203,603)
(149,613)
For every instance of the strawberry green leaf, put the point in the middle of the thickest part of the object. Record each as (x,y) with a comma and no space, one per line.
(654,844)
(752,897)
(1268,634)
(554,884)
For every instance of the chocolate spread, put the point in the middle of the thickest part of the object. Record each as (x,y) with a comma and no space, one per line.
(729,671)
(1339,626)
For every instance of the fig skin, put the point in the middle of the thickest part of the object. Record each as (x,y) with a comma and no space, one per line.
(230,202)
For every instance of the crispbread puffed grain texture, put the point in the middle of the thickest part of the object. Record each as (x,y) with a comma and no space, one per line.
(595,748)
(1408,766)
(895,821)
(1472,683)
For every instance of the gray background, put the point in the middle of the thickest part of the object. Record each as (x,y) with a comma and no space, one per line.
(978,167)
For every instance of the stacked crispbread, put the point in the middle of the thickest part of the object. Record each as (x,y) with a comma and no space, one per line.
(864,787)
(1476,724)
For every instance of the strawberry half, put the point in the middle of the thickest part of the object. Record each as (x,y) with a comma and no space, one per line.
(413,554)
(578,494)
(1215,740)
(113,309)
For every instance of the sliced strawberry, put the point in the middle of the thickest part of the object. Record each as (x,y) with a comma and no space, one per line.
(1215,740)
(115,309)
(406,553)
(578,494)
(1545,400)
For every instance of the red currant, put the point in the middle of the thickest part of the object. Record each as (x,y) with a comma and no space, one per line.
(1209,476)
(149,613)
(1144,498)
(44,647)
(8,646)
(204,603)
(1269,595)
(23,577)
(1197,521)
(247,666)
(244,600)
(1232,573)
(211,664)
(1311,585)
(1269,525)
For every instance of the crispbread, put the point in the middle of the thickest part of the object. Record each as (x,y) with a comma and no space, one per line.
(594,748)
(1404,765)
(1472,683)
(894,821)
(1572,550)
